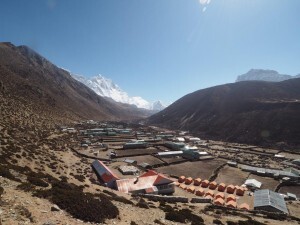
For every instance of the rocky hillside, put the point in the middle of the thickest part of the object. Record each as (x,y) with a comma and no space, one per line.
(33,88)
(250,112)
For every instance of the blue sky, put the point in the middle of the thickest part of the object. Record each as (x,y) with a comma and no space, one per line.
(159,49)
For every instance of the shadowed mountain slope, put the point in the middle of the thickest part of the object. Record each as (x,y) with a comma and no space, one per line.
(254,112)
(32,85)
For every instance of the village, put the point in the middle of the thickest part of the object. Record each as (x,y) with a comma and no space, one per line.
(176,166)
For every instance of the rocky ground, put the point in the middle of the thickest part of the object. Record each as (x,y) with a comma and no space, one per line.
(32,163)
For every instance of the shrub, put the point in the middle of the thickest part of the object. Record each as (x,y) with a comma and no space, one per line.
(176,217)
(4,172)
(133,223)
(26,187)
(142,204)
(83,206)
(249,222)
(231,223)
(37,182)
(81,178)
(184,215)
(1,191)
(218,222)
(276,216)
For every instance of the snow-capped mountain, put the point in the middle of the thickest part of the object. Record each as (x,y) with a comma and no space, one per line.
(158,106)
(107,88)
(264,75)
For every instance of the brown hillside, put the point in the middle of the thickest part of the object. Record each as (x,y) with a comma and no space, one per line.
(31,85)
(250,112)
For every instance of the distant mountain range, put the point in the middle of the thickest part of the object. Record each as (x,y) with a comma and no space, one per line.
(264,75)
(107,88)
(254,112)
(33,88)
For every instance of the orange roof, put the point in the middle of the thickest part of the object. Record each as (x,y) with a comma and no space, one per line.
(183,186)
(212,185)
(200,190)
(240,191)
(220,195)
(197,181)
(244,206)
(219,201)
(222,185)
(181,179)
(205,181)
(231,186)
(191,189)
(210,192)
(209,197)
(188,180)
(231,204)
(231,198)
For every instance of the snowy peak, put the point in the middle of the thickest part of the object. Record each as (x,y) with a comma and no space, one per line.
(107,88)
(158,106)
(264,75)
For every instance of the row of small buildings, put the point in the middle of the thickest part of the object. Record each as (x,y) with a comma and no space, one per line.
(288,174)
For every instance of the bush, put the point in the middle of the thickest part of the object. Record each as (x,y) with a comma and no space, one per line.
(4,172)
(37,182)
(249,222)
(83,206)
(81,178)
(184,215)
(133,223)
(1,191)
(276,216)
(26,187)
(231,223)
(143,205)
(176,217)
(218,222)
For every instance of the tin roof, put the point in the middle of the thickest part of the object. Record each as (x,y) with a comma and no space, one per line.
(269,198)
(253,183)
(104,172)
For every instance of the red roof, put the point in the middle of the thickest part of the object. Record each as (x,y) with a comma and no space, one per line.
(149,173)
(104,172)
(145,181)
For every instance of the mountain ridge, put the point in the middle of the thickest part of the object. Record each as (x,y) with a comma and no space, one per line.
(239,112)
(44,90)
(264,75)
(107,88)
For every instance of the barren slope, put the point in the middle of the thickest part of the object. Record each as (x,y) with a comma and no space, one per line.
(250,112)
